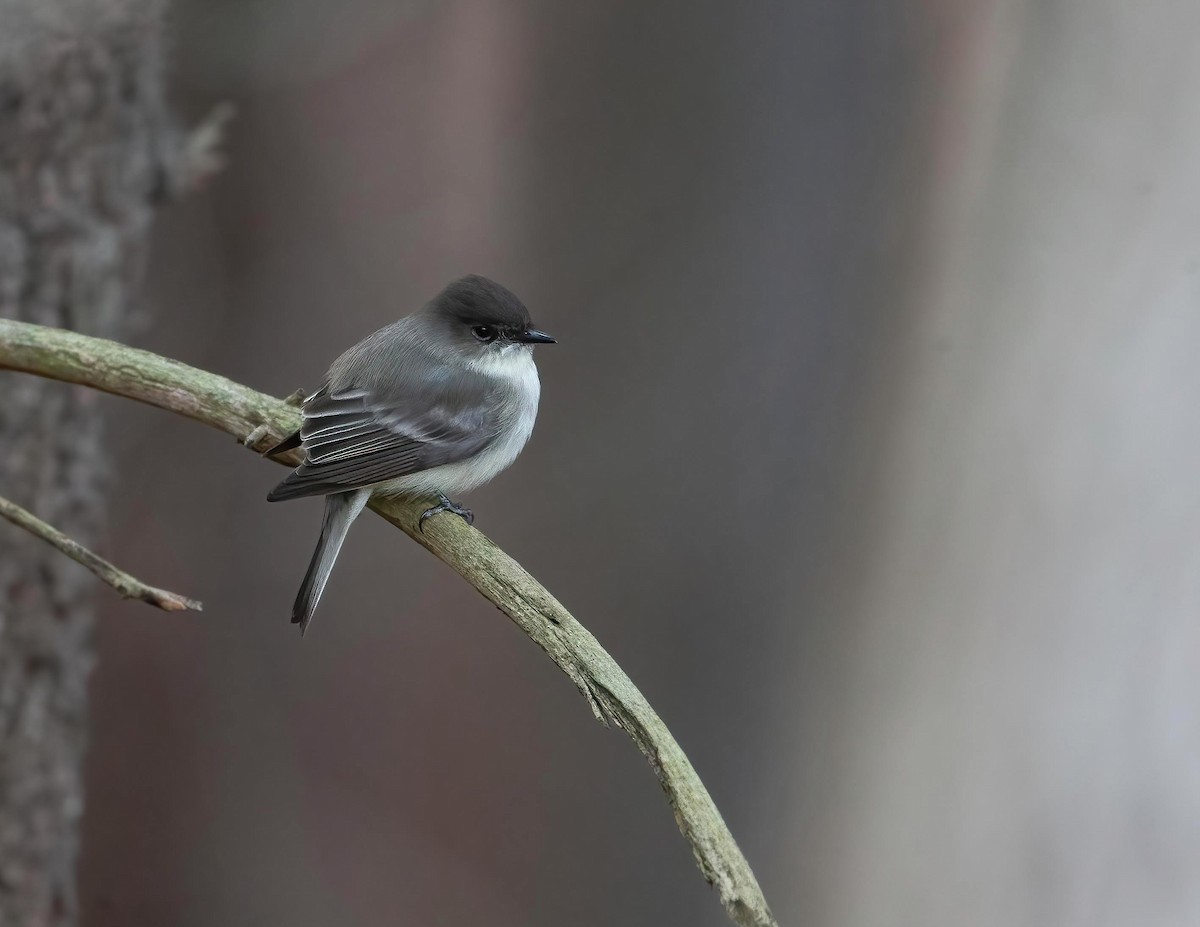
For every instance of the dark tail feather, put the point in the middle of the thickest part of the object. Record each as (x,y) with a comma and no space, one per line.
(291,441)
(340,511)
(295,487)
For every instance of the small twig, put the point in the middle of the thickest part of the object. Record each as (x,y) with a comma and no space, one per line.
(252,439)
(202,156)
(128,586)
(614,699)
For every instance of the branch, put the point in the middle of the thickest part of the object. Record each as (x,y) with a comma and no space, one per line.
(128,586)
(260,421)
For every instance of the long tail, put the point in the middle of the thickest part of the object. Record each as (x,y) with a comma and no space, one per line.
(340,511)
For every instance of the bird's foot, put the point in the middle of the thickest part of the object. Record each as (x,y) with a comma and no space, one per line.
(295,398)
(445,505)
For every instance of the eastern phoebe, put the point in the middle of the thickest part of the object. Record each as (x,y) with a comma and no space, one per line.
(434,404)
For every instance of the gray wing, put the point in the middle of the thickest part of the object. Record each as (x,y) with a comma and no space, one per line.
(357,435)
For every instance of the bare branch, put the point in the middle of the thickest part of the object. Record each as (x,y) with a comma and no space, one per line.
(262,421)
(128,586)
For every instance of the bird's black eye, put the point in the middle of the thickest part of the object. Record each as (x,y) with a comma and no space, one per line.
(484,333)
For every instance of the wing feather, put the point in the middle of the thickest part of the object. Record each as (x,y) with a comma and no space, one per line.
(355,436)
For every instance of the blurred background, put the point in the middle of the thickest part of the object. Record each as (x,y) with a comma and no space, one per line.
(868,449)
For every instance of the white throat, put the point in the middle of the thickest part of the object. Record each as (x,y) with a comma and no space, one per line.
(510,362)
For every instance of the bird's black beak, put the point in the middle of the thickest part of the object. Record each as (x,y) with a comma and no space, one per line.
(533,336)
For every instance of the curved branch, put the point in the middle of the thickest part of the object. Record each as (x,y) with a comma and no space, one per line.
(128,586)
(260,421)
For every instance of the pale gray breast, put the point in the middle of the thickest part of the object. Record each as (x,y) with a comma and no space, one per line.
(512,399)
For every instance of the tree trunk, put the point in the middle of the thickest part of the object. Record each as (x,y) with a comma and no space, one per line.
(84,139)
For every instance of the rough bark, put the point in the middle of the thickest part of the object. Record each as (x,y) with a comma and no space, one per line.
(84,149)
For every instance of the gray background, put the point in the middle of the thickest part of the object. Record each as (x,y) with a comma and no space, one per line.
(868,449)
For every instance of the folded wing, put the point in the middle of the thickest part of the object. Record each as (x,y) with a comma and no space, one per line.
(355,436)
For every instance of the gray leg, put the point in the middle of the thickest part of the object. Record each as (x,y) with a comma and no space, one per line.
(445,505)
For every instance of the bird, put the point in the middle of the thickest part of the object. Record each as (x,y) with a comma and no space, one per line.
(433,404)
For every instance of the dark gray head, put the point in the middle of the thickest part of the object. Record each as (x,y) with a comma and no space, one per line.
(480,315)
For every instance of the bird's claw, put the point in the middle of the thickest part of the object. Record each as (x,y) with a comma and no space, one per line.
(445,505)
